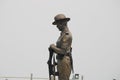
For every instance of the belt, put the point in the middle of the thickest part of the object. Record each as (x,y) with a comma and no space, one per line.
(60,56)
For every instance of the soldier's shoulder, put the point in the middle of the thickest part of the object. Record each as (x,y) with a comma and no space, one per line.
(67,33)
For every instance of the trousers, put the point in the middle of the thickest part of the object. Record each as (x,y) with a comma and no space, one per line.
(64,68)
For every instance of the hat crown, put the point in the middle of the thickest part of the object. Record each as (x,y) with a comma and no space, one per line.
(59,17)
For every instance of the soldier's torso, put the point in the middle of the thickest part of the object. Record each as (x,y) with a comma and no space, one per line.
(64,41)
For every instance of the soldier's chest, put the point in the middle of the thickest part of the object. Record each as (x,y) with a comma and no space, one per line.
(60,40)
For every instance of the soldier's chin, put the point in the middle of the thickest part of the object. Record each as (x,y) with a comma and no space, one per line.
(60,29)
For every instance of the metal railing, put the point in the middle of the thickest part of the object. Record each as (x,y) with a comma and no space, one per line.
(75,77)
(21,78)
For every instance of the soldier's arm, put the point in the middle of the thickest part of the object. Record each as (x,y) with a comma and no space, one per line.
(58,50)
(65,44)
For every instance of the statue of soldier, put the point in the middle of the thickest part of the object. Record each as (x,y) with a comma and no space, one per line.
(63,47)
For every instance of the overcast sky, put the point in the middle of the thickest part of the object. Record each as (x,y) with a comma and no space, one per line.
(26,31)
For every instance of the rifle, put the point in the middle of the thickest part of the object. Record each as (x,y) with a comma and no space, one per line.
(71,60)
(51,64)
(54,66)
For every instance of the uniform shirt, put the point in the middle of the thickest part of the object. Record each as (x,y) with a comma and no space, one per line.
(63,44)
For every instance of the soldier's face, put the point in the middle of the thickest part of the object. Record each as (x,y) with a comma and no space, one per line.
(60,26)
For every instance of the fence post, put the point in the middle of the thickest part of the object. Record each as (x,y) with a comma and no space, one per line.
(31,76)
(82,77)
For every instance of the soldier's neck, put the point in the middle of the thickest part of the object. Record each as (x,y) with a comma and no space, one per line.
(65,29)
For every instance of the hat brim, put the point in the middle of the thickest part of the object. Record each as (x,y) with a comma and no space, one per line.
(55,22)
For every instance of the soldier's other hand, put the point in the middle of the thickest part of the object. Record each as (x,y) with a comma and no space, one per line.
(50,49)
(48,62)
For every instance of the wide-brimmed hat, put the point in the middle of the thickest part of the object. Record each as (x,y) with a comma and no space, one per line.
(60,17)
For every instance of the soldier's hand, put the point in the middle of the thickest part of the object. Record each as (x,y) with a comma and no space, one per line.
(52,46)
